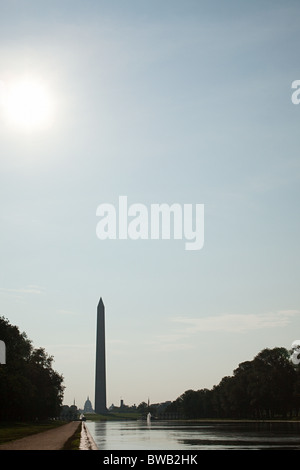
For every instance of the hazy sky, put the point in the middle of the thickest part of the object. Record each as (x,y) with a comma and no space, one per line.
(165,101)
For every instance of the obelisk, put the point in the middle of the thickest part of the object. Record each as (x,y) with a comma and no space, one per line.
(100,378)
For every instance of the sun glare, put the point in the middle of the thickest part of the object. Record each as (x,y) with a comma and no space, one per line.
(27,105)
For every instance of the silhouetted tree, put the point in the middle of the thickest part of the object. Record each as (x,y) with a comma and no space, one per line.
(142,407)
(266,387)
(29,387)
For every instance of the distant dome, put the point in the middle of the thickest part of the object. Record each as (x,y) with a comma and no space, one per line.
(88,406)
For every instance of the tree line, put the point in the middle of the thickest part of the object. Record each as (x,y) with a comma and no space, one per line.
(29,387)
(267,387)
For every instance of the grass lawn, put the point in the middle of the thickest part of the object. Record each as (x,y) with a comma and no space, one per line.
(12,431)
(74,442)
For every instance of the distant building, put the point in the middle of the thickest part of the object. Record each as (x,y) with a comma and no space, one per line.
(88,406)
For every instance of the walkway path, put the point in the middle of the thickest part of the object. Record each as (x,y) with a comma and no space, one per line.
(54,439)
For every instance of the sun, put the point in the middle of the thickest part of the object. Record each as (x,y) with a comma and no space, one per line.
(27,104)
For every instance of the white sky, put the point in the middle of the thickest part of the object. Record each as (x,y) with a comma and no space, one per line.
(161,101)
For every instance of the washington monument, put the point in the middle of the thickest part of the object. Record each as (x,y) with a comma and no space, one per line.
(100,379)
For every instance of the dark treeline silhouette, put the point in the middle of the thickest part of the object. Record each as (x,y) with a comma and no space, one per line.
(29,388)
(265,388)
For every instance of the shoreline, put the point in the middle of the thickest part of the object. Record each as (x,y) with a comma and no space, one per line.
(86,440)
(202,420)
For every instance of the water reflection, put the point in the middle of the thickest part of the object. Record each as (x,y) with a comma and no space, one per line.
(172,435)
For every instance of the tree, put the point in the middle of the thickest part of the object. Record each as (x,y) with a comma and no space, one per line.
(142,407)
(276,379)
(266,387)
(29,387)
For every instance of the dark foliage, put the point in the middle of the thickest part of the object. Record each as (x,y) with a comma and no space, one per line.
(266,387)
(29,388)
